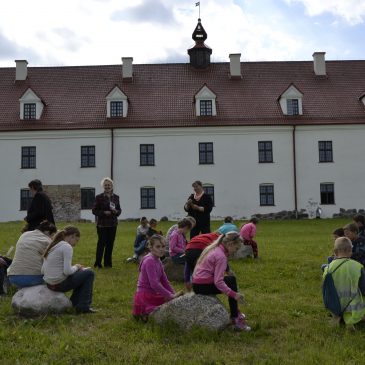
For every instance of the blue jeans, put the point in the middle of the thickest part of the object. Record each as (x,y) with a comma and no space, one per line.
(22,281)
(82,284)
(140,245)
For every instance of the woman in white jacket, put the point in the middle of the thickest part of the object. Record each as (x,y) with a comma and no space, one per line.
(61,275)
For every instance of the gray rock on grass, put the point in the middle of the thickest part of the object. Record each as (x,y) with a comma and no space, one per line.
(37,300)
(193,310)
(174,272)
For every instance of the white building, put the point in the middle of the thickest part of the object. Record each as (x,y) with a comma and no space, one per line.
(262,136)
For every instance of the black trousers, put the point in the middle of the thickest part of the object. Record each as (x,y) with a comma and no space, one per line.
(191,257)
(198,229)
(106,237)
(208,289)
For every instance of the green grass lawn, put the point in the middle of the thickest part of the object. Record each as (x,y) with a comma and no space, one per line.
(284,307)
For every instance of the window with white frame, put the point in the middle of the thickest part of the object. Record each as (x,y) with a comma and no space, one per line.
(205,102)
(31,106)
(291,101)
(117,104)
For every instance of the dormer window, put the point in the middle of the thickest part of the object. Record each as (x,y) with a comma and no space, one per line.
(117,104)
(31,106)
(205,105)
(291,101)
(30,111)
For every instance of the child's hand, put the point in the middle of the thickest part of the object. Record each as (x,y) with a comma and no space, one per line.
(240,298)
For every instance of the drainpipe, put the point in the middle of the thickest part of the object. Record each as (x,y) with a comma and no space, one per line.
(295,175)
(112,154)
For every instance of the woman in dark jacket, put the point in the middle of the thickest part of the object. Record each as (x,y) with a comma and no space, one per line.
(199,206)
(106,210)
(40,208)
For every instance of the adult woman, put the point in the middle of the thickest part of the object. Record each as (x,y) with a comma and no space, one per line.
(106,210)
(60,275)
(25,270)
(40,208)
(199,206)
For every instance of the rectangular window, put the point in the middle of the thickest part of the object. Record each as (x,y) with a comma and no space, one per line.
(87,198)
(206,107)
(206,153)
(266,194)
(209,190)
(325,151)
(292,106)
(147,154)
(116,109)
(25,199)
(148,198)
(28,157)
(30,111)
(87,156)
(327,193)
(265,151)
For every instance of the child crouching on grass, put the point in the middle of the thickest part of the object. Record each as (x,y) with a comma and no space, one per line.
(153,287)
(208,276)
(248,232)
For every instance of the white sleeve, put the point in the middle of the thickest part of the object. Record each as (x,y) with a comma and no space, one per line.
(68,269)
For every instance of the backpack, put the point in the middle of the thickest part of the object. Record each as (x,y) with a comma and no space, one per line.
(330,297)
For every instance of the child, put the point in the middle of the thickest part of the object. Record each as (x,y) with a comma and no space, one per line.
(142,230)
(247,233)
(228,226)
(337,233)
(208,276)
(178,241)
(358,242)
(153,287)
(359,219)
(349,279)
(61,276)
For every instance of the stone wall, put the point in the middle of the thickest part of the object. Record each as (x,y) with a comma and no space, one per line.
(284,214)
(348,213)
(66,201)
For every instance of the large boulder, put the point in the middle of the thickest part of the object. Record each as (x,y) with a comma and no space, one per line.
(193,310)
(174,272)
(36,300)
(243,252)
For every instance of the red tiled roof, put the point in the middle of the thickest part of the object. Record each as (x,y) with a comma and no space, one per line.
(162,95)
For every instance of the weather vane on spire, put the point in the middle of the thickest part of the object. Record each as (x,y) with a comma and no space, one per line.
(198,4)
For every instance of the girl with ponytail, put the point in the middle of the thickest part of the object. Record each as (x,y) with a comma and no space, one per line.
(208,276)
(60,275)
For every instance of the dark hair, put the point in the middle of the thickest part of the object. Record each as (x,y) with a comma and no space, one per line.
(60,236)
(36,185)
(359,218)
(339,232)
(143,219)
(153,221)
(197,182)
(182,223)
(228,219)
(254,220)
(46,226)
(352,227)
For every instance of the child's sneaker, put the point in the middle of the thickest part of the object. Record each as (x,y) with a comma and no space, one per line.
(240,324)
(134,258)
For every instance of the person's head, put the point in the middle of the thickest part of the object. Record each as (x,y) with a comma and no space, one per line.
(197,186)
(192,220)
(359,219)
(156,245)
(153,223)
(184,225)
(47,228)
(351,231)
(231,241)
(35,186)
(228,219)
(70,234)
(107,184)
(338,233)
(254,220)
(343,247)
(143,221)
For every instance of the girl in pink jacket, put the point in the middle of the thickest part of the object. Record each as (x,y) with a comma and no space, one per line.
(247,233)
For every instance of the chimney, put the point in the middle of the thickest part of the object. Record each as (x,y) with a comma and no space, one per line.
(21,71)
(319,63)
(235,66)
(127,68)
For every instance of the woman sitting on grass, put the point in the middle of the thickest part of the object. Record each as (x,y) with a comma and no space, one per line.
(60,275)
(208,276)
(153,287)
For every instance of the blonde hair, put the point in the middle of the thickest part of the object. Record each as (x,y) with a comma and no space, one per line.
(343,244)
(60,236)
(156,238)
(106,179)
(230,238)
